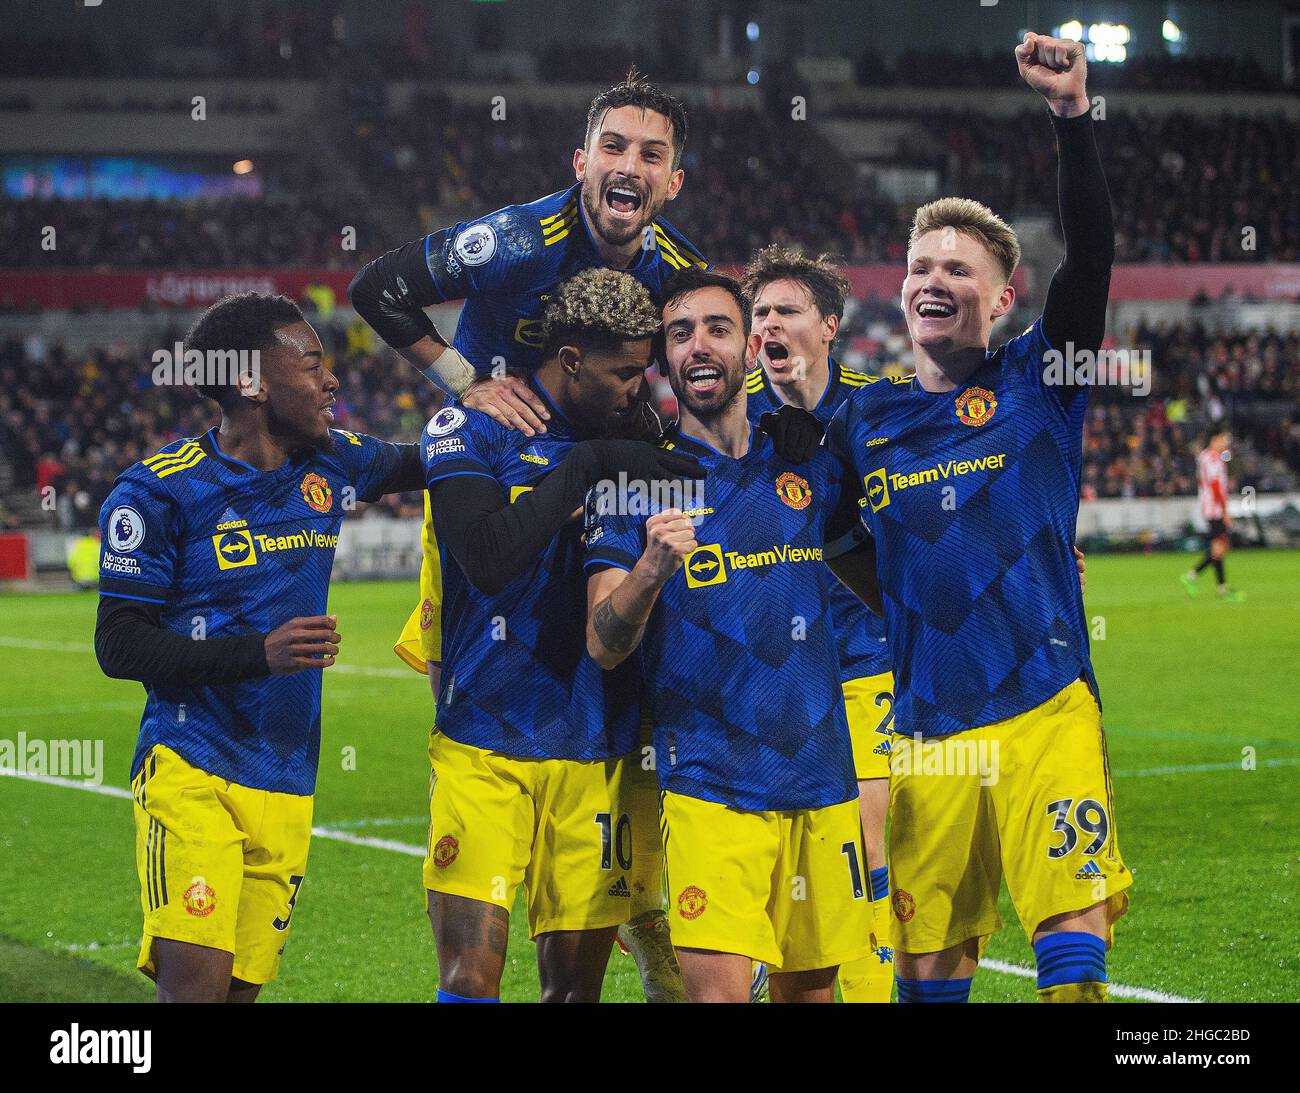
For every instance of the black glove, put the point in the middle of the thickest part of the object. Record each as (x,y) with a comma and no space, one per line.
(795,433)
(643,462)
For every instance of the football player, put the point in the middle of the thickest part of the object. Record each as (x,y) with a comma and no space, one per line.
(214,577)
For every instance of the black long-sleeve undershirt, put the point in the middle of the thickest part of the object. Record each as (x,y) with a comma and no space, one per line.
(406,476)
(492,540)
(390,291)
(131,643)
(1075,309)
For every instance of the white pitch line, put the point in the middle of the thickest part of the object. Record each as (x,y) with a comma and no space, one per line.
(1202,768)
(75,707)
(378,821)
(48,646)
(1118,990)
(321,832)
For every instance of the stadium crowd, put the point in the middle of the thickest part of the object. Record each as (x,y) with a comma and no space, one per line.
(74,421)
(1185,189)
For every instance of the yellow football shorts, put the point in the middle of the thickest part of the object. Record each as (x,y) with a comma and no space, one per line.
(785,888)
(220,864)
(869,703)
(421,640)
(1029,797)
(580,834)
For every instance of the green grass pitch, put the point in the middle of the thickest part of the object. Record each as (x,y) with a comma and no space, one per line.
(1188,686)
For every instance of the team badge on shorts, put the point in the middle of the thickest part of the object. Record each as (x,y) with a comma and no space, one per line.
(316,492)
(904,905)
(426,614)
(445,851)
(200,900)
(692,902)
(975,406)
(794,491)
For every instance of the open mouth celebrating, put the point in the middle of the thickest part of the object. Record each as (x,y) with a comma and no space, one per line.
(777,354)
(622,201)
(704,379)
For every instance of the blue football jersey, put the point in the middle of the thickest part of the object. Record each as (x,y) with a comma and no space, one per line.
(862,645)
(226,549)
(506,264)
(739,654)
(973,497)
(516,675)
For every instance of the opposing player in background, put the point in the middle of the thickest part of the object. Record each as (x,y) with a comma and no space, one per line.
(505,266)
(536,774)
(797,310)
(729,606)
(971,470)
(1212,492)
(214,578)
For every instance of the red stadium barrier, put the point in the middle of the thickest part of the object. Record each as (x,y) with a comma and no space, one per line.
(15,560)
(57,290)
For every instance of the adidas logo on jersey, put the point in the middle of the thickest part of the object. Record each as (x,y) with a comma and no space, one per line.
(230,520)
(1088,872)
(620,888)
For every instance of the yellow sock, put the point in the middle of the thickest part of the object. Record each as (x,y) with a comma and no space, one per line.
(871,978)
(1074,992)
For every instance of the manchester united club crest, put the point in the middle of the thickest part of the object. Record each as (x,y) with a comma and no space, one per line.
(975,406)
(794,491)
(316,492)
(426,614)
(200,900)
(445,851)
(904,905)
(692,902)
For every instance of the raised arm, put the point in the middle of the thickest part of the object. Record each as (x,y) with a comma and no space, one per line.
(1075,310)
(619,601)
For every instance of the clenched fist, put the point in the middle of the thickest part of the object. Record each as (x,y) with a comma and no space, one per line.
(1057,70)
(669,538)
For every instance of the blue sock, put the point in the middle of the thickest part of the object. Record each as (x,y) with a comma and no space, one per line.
(1070,958)
(447,996)
(933,990)
(880,883)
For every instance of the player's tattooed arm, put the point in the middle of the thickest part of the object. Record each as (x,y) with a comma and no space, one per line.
(627,598)
(616,634)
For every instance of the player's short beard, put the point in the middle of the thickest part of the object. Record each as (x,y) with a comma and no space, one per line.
(591,202)
(734,383)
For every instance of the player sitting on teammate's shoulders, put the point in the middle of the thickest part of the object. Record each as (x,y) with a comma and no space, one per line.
(214,576)
(506,264)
